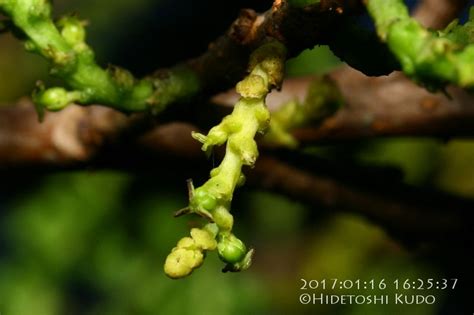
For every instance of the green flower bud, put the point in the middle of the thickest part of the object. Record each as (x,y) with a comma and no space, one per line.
(30,46)
(263,117)
(223,218)
(270,59)
(231,124)
(231,250)
(181,262)
(122,76)
(72,30)
(241,180)
(187,243)
(253,86)
(203,239)
(203,199)
(216,136)
(55,99)
(212,228)
(247,149)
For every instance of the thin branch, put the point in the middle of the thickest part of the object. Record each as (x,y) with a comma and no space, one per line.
(438,13)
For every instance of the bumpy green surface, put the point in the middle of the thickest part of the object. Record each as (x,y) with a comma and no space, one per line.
(429,57)
(212,200)
(71,59)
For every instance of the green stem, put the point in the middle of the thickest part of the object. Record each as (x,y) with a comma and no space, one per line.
(63,45)
(250,116)
(432,58)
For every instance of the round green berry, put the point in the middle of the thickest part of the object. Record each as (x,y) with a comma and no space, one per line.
(231,250)
(204,199)
(54,99)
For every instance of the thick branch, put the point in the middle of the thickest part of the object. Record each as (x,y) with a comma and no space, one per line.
(409,214)
(380,106)
(76,134)
(73,134)
(226,60)
(393,106)
(438,13)
(384,106)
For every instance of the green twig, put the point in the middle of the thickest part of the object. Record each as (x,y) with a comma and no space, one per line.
(250,116)
(63,45)
(429,57)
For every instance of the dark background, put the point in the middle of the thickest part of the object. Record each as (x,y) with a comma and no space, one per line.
(93,240)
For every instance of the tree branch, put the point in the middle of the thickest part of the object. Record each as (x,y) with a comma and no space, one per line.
(226,60)
(384,106)
(438,13)
(392,106)
(73,134)
(412,215)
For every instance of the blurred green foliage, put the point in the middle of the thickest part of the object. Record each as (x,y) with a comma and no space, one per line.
(318,60)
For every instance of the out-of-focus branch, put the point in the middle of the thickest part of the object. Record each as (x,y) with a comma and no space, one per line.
(438,13)
(392,106)
(410,214)
(298,28)
(73,134)
(413,215)
(383,106)
(380,106)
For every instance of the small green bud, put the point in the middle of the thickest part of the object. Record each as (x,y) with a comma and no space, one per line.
(181,262)
(55,99)
(30,46)
(241,180)
(122,76)
(253,86)
(231,250)
(211,228)
(231,124)
(203,199)
(271,58)
(216,136)
(247,149)
(187,243)
(203,239)
(263,116)
(223,218)
(58,57)
(72,30)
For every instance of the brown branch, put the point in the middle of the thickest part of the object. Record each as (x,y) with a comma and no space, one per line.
(226,59)
(438,13)
(71,135)
(384,106)
(412,215)
(76,134)
(379,106)
(393,106)
(409,214)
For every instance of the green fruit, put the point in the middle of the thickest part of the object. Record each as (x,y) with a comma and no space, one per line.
(231,250)
(54,99)
(204,199)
